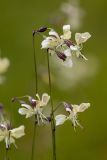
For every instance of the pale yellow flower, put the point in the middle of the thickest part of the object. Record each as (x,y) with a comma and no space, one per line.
(80,38)
(63,47)
(55,44)
(9,135)
(73,110)
(35,108)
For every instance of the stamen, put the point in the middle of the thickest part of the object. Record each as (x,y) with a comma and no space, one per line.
(61,55)
(69,43)
(32,102)
(67,105)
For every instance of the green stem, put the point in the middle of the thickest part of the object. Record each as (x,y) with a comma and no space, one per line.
(6,154)
(58,106)
(33,141)
(35,63)
(52,113)
(36,83)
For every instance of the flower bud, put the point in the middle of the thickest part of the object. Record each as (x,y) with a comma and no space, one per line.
(42,29)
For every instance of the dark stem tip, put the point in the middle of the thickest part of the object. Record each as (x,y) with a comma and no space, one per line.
(34,31)
(41,29)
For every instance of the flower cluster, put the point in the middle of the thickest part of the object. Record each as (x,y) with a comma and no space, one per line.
(35,107)
(63,46)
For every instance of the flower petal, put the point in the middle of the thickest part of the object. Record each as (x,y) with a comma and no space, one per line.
(27,106)
(66,28)
(68,62)
(66,32)
(83,107)
(74,48)
(45,98)
(53,33)
(50,42)
(82,37)
(67,52)
(38,97)
(11,140)
(18,132)
(80,108)
(60,119)
(27,112)
(45,43)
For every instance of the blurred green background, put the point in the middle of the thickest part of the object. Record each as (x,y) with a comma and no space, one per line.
(17,20)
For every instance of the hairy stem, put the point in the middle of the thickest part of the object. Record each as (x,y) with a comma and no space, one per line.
(52,113)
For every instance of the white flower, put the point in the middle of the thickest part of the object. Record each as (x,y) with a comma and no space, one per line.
(63,47)
(9,135)
(80,38)
(54,40)
(35,107)
(73,110)
(60,119)
(66,32)
(56,44)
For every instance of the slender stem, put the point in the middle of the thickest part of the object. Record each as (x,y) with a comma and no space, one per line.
(52,113)
(6,154)
(36,83)
(59,105)
(33,141)
(35,63)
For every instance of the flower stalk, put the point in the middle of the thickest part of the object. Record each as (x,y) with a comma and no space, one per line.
(35,62)
(36,85)
(33,140)
(6,154)
(52,111)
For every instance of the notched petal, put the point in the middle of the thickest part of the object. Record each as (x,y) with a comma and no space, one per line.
(18,132)
(66,32)
(45,98)
(83,107)
(82,37)
(53,34)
